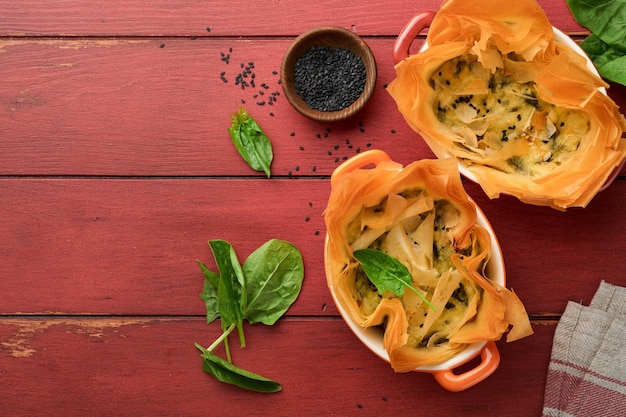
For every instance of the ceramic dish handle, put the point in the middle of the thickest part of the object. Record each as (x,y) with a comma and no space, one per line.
(490,359)
(409,33)
(363,159)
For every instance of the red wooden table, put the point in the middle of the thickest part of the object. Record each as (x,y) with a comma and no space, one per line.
(116,169)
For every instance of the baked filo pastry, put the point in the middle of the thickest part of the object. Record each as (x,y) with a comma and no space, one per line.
(520,109)
(421,216)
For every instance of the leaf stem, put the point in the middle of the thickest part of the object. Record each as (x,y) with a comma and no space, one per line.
(420,295)
(222,338)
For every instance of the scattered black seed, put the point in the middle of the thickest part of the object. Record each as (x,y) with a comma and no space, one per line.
(329,79)
(289,174)
(243,101)
(325,134)
(301,148)
(310,204)
(208,29)
(369,145)
(358,150)
(362,130)
(225,57)
(393,131)
(261,93)
(384,398)
(314,168)
(317,232)
(223,77)
(344,157)
(350,146)
(297,167)
(519,117)
(347,141)
(275,72)
(336,147)
(318,136)
(307,218)
(261,103)
(336,159)
(292,134)
(162,45)
(359,406)
(329,152)
(271,114)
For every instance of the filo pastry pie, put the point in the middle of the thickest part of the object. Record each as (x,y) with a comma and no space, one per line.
(519,109)
(420,215)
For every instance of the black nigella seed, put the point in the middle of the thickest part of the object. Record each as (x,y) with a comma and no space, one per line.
(310,204)
(329,152)
(336,147)
(314,168)
(162,45)
(292,134)
(336,159)
(208,29)
(393,131)
(297,167)
(318,136)
(329,79)
(317,232)
(307,218)
(301,148)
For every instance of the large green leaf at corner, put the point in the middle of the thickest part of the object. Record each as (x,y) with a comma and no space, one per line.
(604,18)
(274,274)
(610,62)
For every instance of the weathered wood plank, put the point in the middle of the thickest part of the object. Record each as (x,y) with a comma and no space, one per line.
(134,108)
(222,18)
(117,366)
(129,246)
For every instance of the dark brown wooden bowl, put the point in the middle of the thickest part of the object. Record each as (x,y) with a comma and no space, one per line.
(334,37)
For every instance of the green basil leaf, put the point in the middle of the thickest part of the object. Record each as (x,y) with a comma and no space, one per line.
(226,372)
(273,274)
(387,273)
(230,291)
(209,292)
(252,143)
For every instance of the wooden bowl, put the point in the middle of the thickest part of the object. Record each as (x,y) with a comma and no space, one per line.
(333,37)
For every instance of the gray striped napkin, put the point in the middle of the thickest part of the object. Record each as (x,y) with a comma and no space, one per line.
(587,372)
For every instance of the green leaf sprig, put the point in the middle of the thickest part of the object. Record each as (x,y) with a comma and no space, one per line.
(252,143)
(606,46)
(387,273)
(260,291)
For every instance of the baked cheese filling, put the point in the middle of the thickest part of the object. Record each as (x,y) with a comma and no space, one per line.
(420,238)
(499,117)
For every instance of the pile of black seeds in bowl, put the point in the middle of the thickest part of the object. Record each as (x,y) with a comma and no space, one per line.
(329,79)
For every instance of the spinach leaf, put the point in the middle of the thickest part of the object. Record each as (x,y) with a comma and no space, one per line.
(252,143)
(230,291)
(260,291)
(387,273)
(209,292)
(227,372)
(610,62)
(273,275)
(607,45)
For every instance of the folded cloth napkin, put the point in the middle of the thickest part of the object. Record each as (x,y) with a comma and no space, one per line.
(587,372)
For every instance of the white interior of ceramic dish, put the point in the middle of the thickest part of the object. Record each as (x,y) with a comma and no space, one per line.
(372,337)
